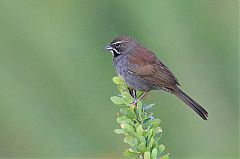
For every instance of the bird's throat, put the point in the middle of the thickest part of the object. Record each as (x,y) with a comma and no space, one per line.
(115,53)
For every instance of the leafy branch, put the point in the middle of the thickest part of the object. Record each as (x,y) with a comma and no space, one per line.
(142,131)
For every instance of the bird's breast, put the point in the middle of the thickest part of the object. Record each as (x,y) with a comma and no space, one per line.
(133,81)
(121,65)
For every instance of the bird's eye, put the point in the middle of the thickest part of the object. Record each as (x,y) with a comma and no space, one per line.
(117,45)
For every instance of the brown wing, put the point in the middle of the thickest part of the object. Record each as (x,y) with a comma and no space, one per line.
(147,66)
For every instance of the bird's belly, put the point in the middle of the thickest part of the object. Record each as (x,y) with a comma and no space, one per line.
(133,81)
(136,82)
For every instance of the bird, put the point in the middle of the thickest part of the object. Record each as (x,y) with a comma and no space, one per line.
(140,68)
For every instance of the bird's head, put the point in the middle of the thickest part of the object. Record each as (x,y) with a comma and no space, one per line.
(121,45)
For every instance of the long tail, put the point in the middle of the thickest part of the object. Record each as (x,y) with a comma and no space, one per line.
(191,103)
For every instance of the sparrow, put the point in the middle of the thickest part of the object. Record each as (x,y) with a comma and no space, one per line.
(142,70)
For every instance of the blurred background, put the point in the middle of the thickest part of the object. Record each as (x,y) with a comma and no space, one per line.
(56,80)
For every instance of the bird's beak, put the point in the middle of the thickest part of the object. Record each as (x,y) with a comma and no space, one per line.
(108,47)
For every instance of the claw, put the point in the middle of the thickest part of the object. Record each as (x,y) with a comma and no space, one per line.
(134,102)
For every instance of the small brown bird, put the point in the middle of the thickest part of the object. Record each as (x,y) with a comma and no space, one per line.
(142,70)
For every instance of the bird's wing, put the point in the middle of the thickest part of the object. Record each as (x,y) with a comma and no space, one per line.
(147,66)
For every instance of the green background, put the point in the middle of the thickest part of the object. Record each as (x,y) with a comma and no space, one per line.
(56,80)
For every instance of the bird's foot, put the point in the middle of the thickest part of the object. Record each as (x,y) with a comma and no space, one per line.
(134,102)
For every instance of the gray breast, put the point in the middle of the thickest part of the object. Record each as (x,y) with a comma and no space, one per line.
(122,68)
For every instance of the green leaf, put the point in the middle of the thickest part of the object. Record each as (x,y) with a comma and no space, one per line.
(140,130)
(148,107)
(139,104)
(149,134)
(117,100)
(158,130)
(141,147)
(119,131)
(148,116)
(130,153)
(130,140)
(117,80)
(131,112)
(165,156)
(155,123)
(151,142)
(139,93)
(123,111)
(127,127)
(147,155)
(154,154)
(124,119)
(139,107)
(161,148)
(127,97)
(147,122)
(142,140)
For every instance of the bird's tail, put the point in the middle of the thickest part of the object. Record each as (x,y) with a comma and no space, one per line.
(191,103)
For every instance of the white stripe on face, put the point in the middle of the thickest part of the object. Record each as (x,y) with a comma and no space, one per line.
(114,52)
(118,42)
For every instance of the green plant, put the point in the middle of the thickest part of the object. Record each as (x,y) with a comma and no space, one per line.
(142,131)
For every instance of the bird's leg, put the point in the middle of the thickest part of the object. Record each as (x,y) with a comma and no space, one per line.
(133,93)
(135,101)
